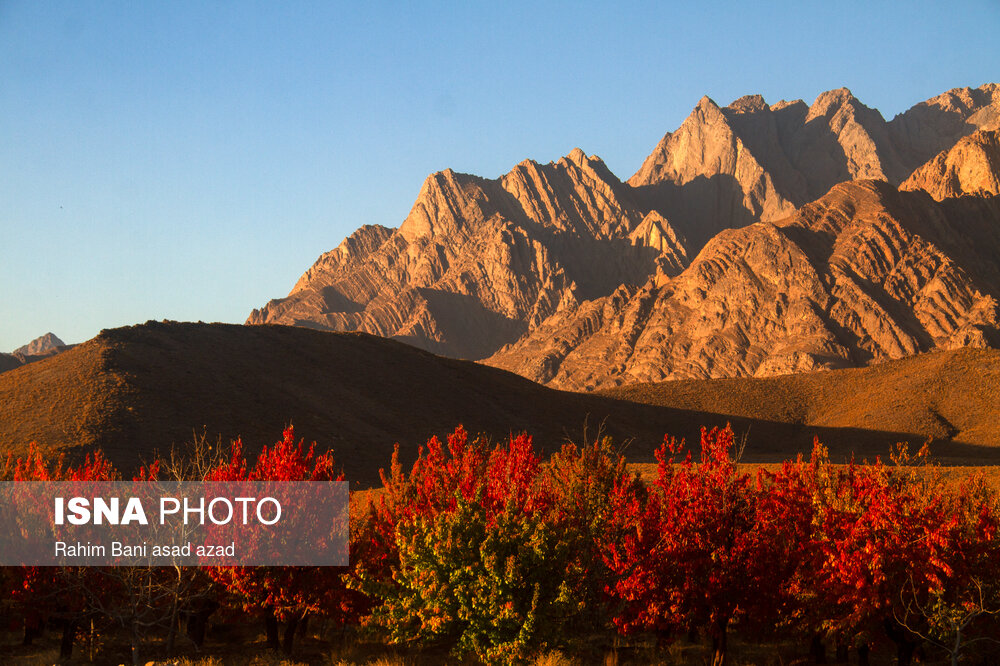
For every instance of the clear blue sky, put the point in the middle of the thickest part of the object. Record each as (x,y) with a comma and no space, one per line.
(189,160)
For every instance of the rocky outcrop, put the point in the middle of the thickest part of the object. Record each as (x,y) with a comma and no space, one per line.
(704,177)
(479,263)
(865,273)
(972,166)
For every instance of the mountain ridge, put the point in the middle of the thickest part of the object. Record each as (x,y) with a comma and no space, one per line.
(480,266)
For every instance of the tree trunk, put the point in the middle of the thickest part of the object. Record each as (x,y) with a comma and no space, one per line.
(135,643)
(304,625)
(32,628)
(69,633)
(172,631)
(904,646)
(863,652)
(817,649)
(197,624)
(842,650)
(719,643)
(286,645)
(271,626)
(904,653)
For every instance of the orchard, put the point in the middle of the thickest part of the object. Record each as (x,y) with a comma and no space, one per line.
(492,553)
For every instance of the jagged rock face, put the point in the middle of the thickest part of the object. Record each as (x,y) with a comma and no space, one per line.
(728,167)
(40,345)
(705,175)
(865,273)
(937,124)
(559,271)
(972,166)
(478,263)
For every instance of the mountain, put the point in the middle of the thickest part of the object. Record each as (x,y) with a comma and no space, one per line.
(41,345)
(554,270)
(942,395)
(9,362)
(971,166)
(39,348)
(478,263)
(866,273)
(937,124)
(133,391)
(749,162)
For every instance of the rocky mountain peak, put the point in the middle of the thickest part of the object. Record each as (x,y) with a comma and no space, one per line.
(830,102)
(577,156)
(785,104)
(40,345)
(705,104)
(749,104)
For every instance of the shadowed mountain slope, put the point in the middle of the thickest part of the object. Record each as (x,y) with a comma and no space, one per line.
(135,390)
(942,395)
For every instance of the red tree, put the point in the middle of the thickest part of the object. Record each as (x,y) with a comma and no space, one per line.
(710,547)
(284,593)
(42,593)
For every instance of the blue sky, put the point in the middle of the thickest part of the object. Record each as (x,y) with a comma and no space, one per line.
(189,160)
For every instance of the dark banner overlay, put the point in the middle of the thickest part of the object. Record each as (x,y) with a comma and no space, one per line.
(143,523)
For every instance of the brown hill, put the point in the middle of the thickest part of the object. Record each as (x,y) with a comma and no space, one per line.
(479,264)
(135,390)
(865,273)
(941,395)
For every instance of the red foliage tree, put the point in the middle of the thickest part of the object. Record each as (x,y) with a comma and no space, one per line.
(42,593)
(889,545)
(710,546)
(284,593)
